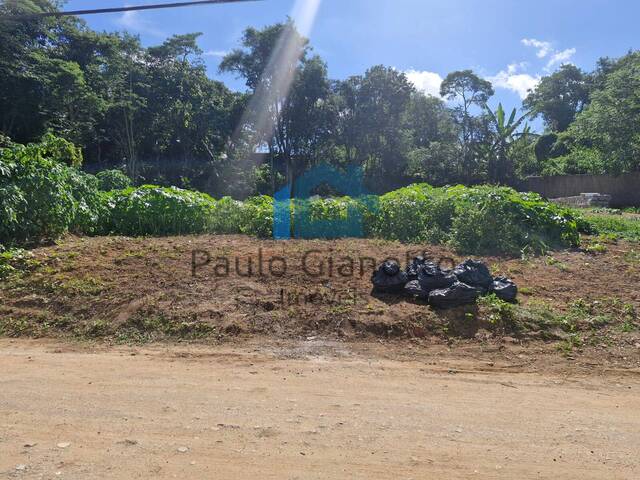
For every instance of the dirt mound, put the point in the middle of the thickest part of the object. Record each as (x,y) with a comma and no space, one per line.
(218,286)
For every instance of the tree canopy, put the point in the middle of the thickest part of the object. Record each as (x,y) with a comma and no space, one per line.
(156,114)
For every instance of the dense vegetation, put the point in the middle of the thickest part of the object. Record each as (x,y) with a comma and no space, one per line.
(43,195)
(154,113)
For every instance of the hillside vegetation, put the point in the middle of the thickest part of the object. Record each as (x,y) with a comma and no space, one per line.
(44,195)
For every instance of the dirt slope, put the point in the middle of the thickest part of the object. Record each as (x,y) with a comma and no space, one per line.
(307,410)
(141,289)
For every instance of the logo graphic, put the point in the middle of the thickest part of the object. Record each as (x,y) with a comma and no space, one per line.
(305,214)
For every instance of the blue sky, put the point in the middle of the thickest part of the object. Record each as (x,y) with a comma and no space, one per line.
(510,42)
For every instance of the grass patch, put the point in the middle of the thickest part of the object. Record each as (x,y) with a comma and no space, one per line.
(616,226)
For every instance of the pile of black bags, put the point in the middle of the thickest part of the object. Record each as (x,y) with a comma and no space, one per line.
(442,288)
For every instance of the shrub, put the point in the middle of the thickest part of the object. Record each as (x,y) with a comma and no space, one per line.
(153,210)
(42,198)
(36,195)
(227,216)
(500,220)
(113,180)
(327,218)
(258,216)
(415,213)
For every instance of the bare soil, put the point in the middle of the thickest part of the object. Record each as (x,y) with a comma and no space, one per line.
(141,369)
(145,289)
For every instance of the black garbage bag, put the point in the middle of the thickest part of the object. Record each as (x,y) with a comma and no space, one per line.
(414,267)
(458,294)
(388,278)
(504,289)
(474,273)
(432,277)
(414,289)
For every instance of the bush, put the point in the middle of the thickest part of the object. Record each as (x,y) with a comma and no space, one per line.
(113,180)
(91,204)
(227,216)
(327,218)
(153,210)
(417,213)
(500,220)
(41,198)
(258,216)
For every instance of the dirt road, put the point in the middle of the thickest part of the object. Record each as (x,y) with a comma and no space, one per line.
(305,410)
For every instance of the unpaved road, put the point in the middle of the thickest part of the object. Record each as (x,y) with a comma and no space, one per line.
(305,411)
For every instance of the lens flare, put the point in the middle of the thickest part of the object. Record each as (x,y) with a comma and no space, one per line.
(262,116)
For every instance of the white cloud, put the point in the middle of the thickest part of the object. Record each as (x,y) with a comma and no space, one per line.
(132,21)
(558,58)
(544,48)
(515,80)
(215,53)
(427,82)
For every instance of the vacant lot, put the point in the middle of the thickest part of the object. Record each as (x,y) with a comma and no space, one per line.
(132,290)
(157,370)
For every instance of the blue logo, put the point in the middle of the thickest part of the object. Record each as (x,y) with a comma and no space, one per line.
(306,214)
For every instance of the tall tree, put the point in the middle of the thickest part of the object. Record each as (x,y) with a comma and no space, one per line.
(372,123)
(559,97)
(469,90)
(607,131)
(289,91)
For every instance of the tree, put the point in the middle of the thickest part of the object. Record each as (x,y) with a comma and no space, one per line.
(435,152)
(504,134)
(607,131)
(289,90)
(470,90)
(372,123)
(429,120)
(559,97)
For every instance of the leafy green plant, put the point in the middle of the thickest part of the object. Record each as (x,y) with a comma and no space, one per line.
(113,180)
(618,226)
(227,216)
(501,315)
(258,216)
(36,195)
(500,220)
(153,210)
(414,214)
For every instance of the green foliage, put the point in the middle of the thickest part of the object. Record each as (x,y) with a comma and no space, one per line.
(619,226)
(227,216)
(13,261)
(45,198)
(559,97)
(153,210)
(499,219)
(481,219)
(113,180)
(414,214)
(327,217)
(609,125)
(258,216)
(40,196)
(502,315)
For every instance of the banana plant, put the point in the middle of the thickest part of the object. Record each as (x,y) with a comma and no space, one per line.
(504,134)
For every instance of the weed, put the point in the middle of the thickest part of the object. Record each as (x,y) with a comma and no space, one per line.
(552,261)
(502,315)
(572,342)
(596,248)
(88,286)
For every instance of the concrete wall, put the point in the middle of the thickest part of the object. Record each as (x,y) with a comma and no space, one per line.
(624,189)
